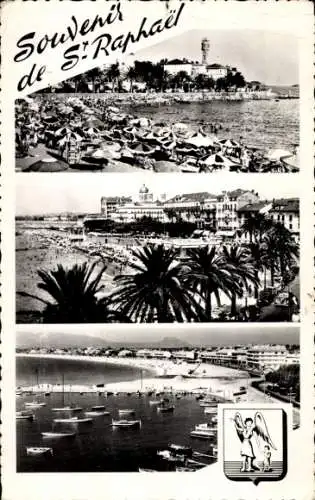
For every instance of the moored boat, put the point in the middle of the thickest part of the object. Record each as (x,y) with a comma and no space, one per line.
(68,408)
(57,435)
(96,413)
(24,415)
(34,404)
(127,411)
(73,420)
(204,431)
(35,451)
(210,410)
(126,423)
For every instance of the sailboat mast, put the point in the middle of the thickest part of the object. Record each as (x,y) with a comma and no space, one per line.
(63,390)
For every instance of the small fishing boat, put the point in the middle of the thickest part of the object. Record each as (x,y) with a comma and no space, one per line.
(34,404)
(208,403)
(210,410)
(203,431)
(97,408)
(35,451)
(57,435)
(24,415)
(126,423)
(96,413)
(166,408)
(72,420)
(127,411)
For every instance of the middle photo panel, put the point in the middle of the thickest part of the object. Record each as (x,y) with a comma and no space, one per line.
(141,248)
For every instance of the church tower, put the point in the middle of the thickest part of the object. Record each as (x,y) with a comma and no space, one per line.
(205,47)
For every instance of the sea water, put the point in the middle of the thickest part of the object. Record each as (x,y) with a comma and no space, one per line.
(264,124)
(98,447)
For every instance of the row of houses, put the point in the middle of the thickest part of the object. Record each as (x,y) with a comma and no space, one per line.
(224,212)
(256,358)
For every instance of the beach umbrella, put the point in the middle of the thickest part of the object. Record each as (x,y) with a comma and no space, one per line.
(199,141)
(217,160)
(292,162)
(47,164)
(229,143)
(278,154)
(141,149)
(63,131)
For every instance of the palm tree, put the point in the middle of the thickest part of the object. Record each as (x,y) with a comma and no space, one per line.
(74,293)
(209,274)
(113,74)
(131,75)
(255,226)
(239,258)
(286,247)
(155,291)
(258,258)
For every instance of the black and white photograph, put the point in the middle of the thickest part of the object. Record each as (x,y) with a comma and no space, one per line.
(200,102)
(156,284)
(145,400)
(172,249)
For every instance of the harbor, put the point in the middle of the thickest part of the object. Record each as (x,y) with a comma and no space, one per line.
(161,422)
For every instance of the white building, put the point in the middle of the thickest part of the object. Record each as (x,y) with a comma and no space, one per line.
(227,207)
(269,357)
(287,212)
(216,71)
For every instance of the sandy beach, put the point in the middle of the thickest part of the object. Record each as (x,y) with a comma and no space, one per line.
(167,376)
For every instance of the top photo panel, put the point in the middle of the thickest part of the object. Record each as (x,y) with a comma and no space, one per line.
(202,101)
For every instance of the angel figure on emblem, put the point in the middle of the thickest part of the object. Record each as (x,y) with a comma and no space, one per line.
(246,431)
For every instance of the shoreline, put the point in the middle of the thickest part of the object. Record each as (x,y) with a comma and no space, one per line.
(165,373)
(222,386)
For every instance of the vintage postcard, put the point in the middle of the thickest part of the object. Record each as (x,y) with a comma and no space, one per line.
(157,284)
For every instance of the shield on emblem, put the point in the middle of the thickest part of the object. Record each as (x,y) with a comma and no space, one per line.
(254,443)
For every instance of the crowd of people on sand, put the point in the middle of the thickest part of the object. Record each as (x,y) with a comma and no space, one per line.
(89,133)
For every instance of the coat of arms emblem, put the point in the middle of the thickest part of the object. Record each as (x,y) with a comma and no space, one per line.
(254,444)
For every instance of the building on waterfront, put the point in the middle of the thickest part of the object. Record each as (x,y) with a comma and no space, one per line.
(283,211)
(194,68)
(287,212)
(223,214)
(270,357)
(227,207)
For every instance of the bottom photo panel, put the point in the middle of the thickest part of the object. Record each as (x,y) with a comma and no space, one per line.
(146,399)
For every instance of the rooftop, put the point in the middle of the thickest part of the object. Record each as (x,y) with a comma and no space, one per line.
(254,207)
(288,205)
(192,197)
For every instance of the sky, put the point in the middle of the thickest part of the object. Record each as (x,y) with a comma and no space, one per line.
(63,192)
(266,56)
(210,334)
